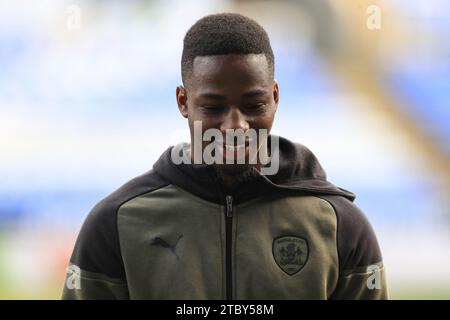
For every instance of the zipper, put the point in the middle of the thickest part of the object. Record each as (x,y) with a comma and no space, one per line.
(228,245)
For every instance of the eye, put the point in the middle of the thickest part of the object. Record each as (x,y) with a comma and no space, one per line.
(209,107)
(255,106)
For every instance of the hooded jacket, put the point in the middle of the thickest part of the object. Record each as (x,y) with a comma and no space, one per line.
(175,233)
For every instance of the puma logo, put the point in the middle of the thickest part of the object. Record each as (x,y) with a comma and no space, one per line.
(157,241)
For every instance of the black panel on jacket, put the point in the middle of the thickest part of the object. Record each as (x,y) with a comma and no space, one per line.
(356,240)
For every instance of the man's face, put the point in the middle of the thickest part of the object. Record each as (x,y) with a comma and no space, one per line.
(229,92)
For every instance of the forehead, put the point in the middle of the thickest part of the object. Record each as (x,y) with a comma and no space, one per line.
(230,71)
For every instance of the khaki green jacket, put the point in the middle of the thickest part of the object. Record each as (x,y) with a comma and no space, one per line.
(174,233)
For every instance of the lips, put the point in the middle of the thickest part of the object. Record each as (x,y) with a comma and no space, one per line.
(232,147)
(240,151)
(235,148)
(220,152)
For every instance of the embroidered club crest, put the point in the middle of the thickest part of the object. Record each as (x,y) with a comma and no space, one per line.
(290,253)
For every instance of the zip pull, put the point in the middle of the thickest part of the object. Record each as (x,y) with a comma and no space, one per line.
(229,200)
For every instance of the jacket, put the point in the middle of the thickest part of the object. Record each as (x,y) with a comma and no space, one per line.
(175,233)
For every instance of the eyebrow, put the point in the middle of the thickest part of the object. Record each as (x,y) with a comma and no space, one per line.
(213,96)
(255,93)
(250,94)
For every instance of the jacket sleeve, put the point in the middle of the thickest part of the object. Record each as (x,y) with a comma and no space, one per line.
(96,269)
(361,270)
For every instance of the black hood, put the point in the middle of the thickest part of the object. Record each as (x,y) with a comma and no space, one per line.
(299,172)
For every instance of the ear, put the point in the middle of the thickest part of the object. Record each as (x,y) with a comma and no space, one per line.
(276,92)
(181,97)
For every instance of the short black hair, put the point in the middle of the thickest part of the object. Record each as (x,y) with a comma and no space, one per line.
(224,33)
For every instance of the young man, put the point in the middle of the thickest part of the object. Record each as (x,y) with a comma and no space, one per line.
(202,226)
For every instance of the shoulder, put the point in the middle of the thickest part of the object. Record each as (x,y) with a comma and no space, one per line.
(357,244)
(107,208)
(97,247)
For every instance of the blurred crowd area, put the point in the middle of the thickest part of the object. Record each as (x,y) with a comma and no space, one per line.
(87,102)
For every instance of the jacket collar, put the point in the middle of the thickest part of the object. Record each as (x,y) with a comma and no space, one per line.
(299,172)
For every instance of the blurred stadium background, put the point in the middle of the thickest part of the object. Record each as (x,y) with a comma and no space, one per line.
(86,104)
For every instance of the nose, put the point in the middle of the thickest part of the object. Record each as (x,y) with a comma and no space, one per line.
(234,119)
